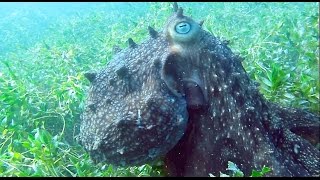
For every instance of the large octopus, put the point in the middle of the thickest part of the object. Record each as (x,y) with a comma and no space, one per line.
(185,96)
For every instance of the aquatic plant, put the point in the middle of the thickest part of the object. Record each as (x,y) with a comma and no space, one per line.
(42,82)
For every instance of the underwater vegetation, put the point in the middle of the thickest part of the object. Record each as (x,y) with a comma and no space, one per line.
(43,86)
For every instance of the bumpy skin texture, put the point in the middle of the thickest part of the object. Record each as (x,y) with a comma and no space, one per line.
(184,95)
(131,117)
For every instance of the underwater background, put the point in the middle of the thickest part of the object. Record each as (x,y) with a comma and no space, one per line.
(45,49)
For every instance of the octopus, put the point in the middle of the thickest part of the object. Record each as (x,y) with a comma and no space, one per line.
(184,96)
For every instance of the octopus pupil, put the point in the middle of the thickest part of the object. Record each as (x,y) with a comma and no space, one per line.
(183,28)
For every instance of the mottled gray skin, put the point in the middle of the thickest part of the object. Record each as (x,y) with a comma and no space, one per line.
(185,96)
(131,117)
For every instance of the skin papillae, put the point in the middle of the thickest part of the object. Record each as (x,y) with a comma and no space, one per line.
(185,96)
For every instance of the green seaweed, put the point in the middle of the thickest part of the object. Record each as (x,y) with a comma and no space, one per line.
(42,86)
(234,171)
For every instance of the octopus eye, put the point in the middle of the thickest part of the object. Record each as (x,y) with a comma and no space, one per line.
(183,28)
(183,31)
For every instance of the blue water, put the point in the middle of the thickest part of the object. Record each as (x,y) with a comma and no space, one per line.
(24,23)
